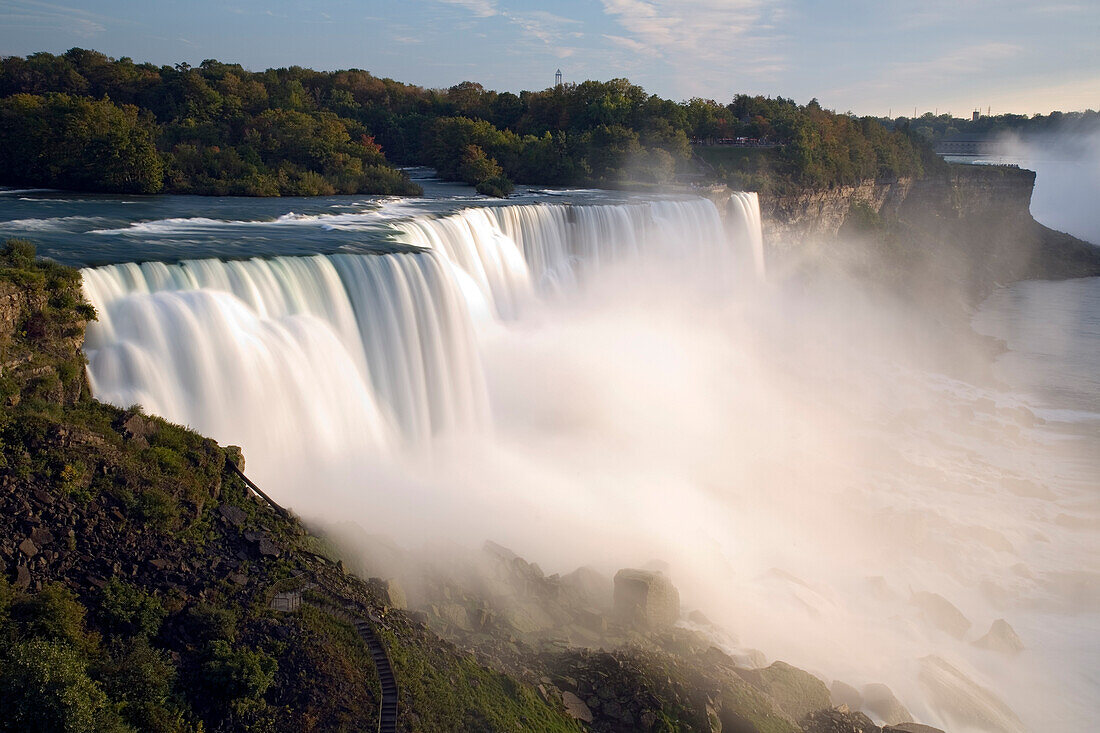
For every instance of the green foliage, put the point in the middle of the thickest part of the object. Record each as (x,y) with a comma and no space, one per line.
(46,688)
(230,673)
(63,141)
(498,186)
(126,609)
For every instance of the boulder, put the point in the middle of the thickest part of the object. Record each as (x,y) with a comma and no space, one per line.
(797,692)
(1001,638)
(575,707)
(911,728)
(941,613)
(881,702)
(233,514)
(592,588)
(844,694)
(646,598)
(27,547)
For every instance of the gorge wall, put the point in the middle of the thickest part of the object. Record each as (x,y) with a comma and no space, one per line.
(970,227)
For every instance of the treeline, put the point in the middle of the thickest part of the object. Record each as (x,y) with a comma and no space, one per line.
(931,126)
(84,121)
(218,128)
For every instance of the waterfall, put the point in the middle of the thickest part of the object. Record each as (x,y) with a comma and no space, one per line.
(745,226)
(346,351)
(505,255)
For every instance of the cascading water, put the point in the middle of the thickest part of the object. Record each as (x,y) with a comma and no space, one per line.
(745,225)
(174,337)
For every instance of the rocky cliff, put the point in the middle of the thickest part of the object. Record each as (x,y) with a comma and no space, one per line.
(969,228)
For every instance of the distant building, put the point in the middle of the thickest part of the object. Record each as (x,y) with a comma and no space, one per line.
(557,78)
(977,114)
(966,144)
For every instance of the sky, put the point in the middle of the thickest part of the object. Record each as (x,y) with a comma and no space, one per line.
(863,56)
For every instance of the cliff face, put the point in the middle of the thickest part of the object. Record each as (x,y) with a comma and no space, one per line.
(970,229)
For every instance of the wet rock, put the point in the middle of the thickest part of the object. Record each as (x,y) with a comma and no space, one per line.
(797,692)
(964,701)
(844,694)
(941,613)
(393,594)
(838,721)
(646,598)
(575,707)
(881,702)
(911,728)
(591,588)
(1001,638)
(697,617)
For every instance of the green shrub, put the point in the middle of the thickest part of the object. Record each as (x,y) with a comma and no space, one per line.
(46,688)
(129,610)
(499,187)
(230,673)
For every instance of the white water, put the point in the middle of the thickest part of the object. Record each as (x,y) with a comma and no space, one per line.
(596,385)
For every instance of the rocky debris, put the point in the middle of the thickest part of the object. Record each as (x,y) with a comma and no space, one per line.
(941,613)
(797,692)
(22,577)
(964,701)
(844,694)
(880,701)
(838,721)
(911,728)
(1001,638)
(576,707)
(646,598)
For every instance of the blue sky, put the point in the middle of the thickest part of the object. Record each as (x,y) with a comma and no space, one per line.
(866,56)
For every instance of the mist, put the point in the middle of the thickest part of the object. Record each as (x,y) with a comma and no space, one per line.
(794,451)
(1067,176)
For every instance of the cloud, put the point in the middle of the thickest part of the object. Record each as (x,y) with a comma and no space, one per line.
(480,8)
(30,14)
(703,41)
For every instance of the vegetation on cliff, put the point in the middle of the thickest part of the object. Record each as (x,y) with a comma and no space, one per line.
(220,129)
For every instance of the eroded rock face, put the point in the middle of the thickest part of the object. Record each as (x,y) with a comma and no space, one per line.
(646,598)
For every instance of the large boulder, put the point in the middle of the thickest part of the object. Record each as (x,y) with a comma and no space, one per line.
(797,692)
(645,598)
(880,701)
